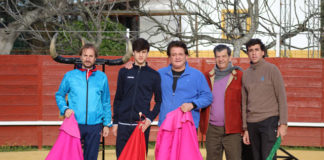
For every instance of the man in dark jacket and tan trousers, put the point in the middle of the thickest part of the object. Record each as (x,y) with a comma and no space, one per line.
(264,102)
(225,118)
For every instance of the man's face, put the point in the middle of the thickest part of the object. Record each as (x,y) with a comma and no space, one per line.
(222,59)
(255,53)
(178,58)
(88,58)
(140,57)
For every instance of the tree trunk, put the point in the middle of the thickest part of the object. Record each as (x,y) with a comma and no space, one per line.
(237,44)
(7,41)
(237,49)
(254,13)
(322,29)
(8,35)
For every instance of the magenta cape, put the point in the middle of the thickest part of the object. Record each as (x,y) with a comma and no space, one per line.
(177,138)
(68,144)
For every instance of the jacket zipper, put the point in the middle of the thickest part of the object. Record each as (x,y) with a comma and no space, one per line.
(134,97)
(86,120)
(173,92)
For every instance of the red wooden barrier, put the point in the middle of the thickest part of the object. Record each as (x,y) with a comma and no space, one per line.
(28,85)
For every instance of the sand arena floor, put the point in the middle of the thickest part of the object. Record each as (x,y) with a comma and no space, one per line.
(110,155)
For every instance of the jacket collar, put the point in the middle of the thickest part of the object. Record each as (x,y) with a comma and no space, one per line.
(211,75)
(89,72)
(142,67)
(79,67)
(186,71)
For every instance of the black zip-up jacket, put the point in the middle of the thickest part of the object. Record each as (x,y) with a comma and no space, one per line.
(135,88)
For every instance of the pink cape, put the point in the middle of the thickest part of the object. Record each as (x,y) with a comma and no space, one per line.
(68,144)
(177,138)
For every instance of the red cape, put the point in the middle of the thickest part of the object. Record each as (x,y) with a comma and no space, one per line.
(135,148)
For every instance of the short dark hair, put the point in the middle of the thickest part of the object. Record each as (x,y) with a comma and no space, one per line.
(140,44)
(255,41)
(177,44)
(220,48)
(89,46)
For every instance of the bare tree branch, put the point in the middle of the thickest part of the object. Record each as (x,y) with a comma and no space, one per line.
(230,18)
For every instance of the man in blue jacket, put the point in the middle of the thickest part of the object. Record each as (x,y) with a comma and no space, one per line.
(182,86)
(135,88)
(88,99)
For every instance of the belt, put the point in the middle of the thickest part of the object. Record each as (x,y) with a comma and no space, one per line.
(127,124)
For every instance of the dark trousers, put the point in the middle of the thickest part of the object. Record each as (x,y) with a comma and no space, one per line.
(90,138)
(263,137)
(218,141)
(247,152)
(123,134)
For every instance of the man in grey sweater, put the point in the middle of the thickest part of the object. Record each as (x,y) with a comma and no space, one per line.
(264,102)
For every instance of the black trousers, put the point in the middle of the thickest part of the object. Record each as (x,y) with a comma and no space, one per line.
(123,134)
(263,137)
(246,152)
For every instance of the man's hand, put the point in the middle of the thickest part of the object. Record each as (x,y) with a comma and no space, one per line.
(114,129)
(186,107)
(147,123)
(246,138)
(105,131)
(282,131)
(129,65)
(68,113)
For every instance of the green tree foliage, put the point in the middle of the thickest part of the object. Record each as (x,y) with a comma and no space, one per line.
(113,42)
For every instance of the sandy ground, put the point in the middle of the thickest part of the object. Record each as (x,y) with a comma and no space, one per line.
(110,155)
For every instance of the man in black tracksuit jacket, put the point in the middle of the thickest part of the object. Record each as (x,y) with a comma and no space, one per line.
(135,88)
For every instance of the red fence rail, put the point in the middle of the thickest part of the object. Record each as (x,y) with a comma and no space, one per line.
(28,85)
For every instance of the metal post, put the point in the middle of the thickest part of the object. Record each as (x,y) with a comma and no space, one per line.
(280,26)
(196,28)
(278,45)
(103,138)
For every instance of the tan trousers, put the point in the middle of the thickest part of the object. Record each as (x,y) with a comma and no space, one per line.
(217,142)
